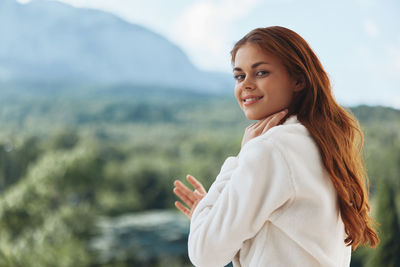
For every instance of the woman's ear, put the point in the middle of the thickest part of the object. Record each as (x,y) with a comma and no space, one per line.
(300,84)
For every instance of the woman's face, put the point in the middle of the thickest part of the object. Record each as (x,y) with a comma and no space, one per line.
(263,86)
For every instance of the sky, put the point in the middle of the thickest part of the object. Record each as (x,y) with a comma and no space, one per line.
(357,41)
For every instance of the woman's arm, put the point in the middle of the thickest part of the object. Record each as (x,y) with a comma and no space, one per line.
(191,198)
(222,221)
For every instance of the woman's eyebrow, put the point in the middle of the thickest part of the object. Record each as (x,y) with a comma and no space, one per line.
(255,65)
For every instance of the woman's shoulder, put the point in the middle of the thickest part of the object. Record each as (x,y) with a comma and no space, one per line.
(291,141)
(291,127)
(290,133)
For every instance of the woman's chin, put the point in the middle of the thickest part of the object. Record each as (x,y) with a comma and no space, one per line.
(253,117)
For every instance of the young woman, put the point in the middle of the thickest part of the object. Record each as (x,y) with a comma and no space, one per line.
(296,194)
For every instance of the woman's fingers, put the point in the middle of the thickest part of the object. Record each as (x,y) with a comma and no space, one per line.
(196,184)
(255,124)
(189,197)
(271,121)
(184,189)
(183,209)
(264,122)
(185,197)
(275,120)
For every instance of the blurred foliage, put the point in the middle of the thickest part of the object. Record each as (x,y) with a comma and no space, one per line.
(69,157)
(388,251)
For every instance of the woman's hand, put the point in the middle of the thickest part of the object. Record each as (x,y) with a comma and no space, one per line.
(189,197)
(262,126)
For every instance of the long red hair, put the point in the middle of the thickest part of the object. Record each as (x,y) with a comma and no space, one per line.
(335,130)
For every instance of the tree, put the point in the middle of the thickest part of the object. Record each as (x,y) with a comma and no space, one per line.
(388,251)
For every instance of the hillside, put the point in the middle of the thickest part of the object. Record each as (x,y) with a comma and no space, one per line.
(83,177)
(51,41)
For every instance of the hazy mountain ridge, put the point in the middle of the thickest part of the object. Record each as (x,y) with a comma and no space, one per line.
(49,40)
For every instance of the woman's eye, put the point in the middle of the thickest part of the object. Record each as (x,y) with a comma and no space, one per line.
(238,77)
(261,73)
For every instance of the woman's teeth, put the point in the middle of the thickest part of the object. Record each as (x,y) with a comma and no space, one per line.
(252,99)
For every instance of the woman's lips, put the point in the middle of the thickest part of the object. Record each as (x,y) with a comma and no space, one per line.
(252,100)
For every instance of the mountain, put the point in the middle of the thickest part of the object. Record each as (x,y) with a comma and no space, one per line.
(51,41)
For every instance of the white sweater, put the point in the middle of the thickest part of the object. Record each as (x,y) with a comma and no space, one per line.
(272,205)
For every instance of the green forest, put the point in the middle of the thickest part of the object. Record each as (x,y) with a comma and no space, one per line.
(86,172)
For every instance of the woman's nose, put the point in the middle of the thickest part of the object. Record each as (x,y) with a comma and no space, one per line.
(248,84)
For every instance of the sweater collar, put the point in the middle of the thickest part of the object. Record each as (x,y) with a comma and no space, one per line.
(291,120)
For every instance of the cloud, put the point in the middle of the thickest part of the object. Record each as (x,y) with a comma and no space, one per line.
(204,29)
(393,52)
(367,4)
(371,28)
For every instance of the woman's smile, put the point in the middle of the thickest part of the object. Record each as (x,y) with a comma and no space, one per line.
(251,99)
